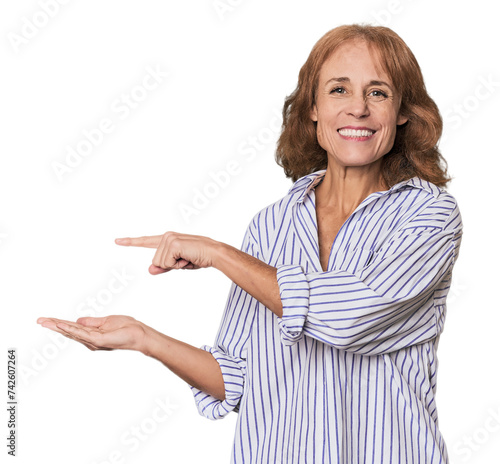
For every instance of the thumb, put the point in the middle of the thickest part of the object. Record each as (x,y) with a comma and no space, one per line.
(155,270)
(91,321)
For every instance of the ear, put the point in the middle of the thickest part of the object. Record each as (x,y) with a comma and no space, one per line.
(314,113)
(402,119)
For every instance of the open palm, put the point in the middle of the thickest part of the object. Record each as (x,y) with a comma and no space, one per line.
(100,333)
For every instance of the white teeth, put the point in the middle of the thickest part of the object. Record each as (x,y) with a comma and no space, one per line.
(356,133)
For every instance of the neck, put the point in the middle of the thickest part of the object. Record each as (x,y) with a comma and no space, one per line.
(345,187)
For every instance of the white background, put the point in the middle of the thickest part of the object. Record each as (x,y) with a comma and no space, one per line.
(229,69)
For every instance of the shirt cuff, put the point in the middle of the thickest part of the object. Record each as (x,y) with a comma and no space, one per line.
(233,372)
(294,293)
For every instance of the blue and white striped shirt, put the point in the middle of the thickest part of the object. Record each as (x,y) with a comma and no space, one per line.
(348,374)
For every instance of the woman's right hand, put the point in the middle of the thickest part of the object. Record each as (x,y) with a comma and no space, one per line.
(101,333)
(194,365)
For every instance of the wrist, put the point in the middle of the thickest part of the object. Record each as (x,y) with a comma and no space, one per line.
(219,254)
(149,342)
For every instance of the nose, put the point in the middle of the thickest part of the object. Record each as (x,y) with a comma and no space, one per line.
(358,107)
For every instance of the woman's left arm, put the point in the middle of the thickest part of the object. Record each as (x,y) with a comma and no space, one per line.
(181,251)
(397,299)
(387,305)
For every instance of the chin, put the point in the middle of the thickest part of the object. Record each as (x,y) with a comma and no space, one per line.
(358,160)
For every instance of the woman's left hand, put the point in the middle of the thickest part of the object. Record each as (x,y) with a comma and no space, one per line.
(175,251)
(182,251)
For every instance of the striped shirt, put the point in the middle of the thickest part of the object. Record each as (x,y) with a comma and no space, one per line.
(348,373)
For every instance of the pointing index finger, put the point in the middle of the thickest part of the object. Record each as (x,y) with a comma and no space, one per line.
(146,242)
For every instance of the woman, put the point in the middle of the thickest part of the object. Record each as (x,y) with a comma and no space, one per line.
(327,346)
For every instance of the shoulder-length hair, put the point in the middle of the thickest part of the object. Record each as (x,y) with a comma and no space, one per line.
(414,152)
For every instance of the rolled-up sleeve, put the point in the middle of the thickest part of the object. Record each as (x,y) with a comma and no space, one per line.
(234,372)
(391,303)
(229,349)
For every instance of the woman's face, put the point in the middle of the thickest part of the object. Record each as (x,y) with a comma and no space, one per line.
(357,107)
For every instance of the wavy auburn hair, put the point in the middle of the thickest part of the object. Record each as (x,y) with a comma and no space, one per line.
(414,152)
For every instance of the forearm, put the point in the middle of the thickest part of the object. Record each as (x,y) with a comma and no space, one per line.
(195,366)
(251,274)
(176,251)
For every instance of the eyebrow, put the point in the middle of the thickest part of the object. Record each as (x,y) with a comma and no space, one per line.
(346,79)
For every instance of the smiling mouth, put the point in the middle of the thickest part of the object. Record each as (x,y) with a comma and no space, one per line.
(356,133)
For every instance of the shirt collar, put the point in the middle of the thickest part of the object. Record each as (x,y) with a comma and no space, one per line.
(305,184)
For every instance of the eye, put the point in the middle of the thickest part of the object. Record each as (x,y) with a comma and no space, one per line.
(378,94)
(338,90)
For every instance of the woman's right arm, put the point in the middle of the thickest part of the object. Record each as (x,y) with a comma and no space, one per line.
(195,366)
